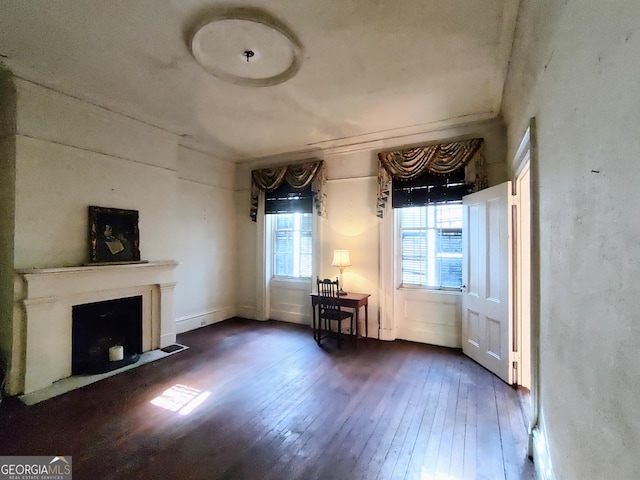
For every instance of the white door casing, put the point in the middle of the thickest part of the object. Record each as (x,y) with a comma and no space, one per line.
(522,264)
(487,326)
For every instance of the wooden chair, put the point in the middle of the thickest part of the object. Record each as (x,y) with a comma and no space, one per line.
(330,312)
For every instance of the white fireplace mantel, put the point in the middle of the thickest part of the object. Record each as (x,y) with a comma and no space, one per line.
(44,299)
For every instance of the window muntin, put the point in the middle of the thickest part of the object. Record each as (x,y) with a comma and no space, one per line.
(292,245)
(431,246)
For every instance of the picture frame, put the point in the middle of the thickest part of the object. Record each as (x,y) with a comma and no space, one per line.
(114,236)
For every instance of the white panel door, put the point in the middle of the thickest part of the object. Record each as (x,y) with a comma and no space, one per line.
(486,299)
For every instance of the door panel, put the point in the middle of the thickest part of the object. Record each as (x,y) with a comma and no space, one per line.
(473,259)
(486,307)
(473,328)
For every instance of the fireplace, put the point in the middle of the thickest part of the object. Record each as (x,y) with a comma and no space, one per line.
(46,300)
(106,335)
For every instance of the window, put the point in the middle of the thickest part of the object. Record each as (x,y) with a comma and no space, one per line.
(291,219)
(292,244)
(431,245)
(429,212)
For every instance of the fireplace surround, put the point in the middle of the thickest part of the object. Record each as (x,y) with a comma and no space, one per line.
(44,301)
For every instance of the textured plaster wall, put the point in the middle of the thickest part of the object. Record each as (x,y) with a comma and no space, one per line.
(7,206)
(575,68)
(353,225)
(70,154)
(246,247)
(206,240)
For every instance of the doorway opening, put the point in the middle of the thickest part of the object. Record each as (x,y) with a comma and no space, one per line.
(526,282)
(523,274)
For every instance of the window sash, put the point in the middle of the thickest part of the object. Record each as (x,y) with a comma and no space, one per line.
(292,245)
(430,240)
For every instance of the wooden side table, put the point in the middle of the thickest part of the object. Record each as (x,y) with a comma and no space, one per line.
(350,300)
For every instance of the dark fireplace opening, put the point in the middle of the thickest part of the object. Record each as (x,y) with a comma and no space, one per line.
(106,335)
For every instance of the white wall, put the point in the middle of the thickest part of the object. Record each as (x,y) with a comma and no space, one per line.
(246,258)
(575,68)
(206,240)
(70,154)
(7,209)
(352,224)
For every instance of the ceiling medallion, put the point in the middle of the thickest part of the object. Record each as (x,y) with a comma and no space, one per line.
(246,47)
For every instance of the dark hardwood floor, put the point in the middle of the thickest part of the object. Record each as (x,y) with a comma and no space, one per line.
(280,407)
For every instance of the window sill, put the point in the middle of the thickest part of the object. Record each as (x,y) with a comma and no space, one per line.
(437,291)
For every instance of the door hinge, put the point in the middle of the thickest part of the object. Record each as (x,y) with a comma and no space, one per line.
(514,366)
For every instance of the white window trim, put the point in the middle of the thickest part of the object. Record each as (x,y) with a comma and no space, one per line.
(264,259)
(390,276)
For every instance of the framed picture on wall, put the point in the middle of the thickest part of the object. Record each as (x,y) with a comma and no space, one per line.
(113,235)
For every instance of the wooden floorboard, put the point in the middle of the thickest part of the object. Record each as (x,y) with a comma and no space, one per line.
(280,407)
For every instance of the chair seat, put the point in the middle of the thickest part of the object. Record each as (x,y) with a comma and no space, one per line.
(335,314)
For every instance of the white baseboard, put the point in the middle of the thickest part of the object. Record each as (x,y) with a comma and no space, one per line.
(387,334)
(191,322)
(541,455)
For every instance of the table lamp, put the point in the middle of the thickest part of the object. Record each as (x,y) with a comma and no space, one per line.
(341,260)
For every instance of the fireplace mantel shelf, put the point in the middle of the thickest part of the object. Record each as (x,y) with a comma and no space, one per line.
(86,268)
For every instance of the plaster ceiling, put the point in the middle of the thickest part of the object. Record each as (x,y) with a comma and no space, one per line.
(370,69)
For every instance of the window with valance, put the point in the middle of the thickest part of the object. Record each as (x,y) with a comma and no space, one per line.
(426,185)
(431,174)
(289,189)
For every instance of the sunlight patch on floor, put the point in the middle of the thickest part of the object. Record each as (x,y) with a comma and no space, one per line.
(437,476)
(181,399)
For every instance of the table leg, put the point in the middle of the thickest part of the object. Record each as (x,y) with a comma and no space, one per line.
(357,310)
(366,320)
(313,326)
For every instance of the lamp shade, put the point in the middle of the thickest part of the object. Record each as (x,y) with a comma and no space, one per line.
(341,258)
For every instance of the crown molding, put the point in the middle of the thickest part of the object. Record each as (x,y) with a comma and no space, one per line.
(408,135)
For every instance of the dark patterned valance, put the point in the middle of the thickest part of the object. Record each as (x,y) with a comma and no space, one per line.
(442,159)
(299,176)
